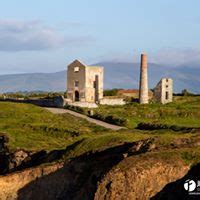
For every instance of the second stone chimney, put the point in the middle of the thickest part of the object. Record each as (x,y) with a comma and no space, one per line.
(143,90)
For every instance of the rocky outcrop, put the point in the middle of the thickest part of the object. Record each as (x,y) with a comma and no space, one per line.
(128,171)
(77,179)
(175,190)
(16,159)
(11,161)
(21,159)
(12,185)
(139,178)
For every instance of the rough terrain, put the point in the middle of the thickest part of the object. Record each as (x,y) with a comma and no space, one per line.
(128,171)
(61,156)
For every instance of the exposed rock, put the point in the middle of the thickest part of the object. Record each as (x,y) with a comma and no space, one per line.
(12,184)
(175,190)
(114,173)
(139,178)
(21,159)
(76,180)
(16,158)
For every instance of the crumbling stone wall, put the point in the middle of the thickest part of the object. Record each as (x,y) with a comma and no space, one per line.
(112,101)
(57,101)
(163,92)
(91,74)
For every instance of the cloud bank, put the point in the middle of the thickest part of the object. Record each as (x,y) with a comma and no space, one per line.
(18,35)
(177,56)
(171,57)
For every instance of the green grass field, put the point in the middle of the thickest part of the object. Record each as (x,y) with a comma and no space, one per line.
(184,111)
(33,128)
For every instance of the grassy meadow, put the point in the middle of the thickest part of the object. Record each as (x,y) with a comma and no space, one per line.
(33,128)
(184,111)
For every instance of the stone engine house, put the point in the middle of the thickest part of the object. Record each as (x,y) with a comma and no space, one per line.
(163,92)
(84,83)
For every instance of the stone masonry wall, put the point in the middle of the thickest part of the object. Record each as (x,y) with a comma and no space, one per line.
(163,92)
(116,101)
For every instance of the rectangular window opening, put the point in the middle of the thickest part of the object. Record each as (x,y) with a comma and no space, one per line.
(167,95)
(76,83)
(94,84)
(76,69)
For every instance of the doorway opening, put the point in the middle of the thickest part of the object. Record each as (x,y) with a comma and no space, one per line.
(76,96)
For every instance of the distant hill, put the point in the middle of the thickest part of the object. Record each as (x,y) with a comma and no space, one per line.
(33,82)
(126,75)
(117,75)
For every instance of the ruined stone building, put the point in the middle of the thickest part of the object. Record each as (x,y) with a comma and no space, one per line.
(84,83)
(163,92)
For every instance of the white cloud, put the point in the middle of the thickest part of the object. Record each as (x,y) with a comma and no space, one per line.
(18,35)
(172,57)
(176,56)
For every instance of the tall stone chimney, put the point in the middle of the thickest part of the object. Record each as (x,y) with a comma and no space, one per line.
(143,90)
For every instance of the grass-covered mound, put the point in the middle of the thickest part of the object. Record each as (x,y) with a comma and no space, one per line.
(34,128)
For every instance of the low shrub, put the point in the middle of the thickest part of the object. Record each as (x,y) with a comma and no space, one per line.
(110,119)
(150,126)
(76,109)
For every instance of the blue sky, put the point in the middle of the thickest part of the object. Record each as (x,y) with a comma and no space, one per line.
(45,35)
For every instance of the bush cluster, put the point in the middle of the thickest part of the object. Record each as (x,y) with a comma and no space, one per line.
(112,92)
(150,126)
(110,119)
(76,109)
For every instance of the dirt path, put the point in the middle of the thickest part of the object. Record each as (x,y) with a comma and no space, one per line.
(95,121)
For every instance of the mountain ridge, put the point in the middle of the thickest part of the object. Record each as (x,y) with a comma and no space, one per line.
(117,75)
